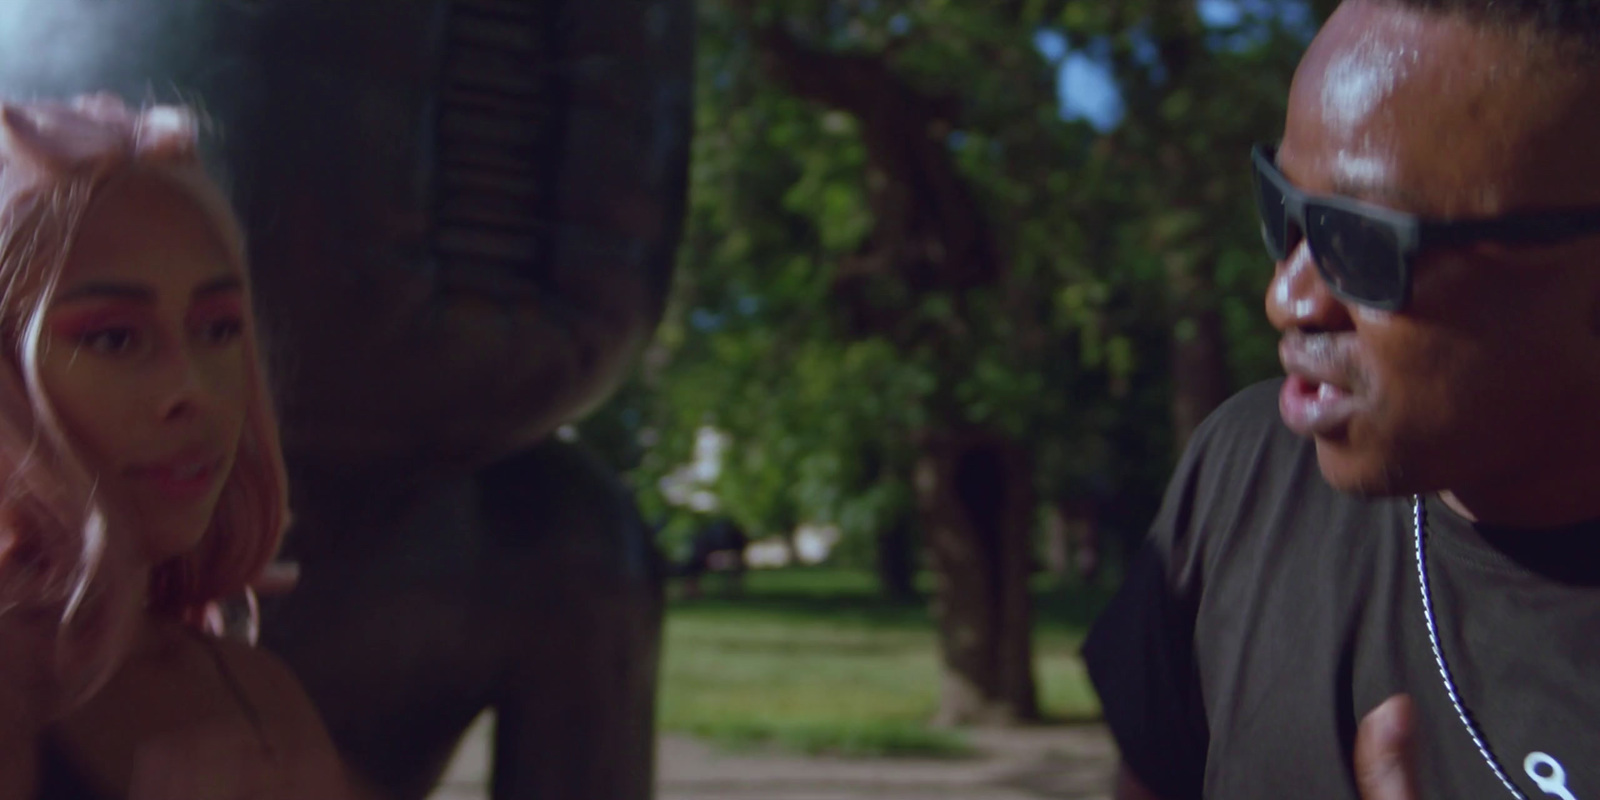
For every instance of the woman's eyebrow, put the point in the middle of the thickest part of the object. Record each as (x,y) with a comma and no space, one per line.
(107,289)
(143,294)
(219,285)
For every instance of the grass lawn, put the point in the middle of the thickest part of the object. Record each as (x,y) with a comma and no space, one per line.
(814,660)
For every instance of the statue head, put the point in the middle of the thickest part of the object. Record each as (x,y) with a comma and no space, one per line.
(462,213)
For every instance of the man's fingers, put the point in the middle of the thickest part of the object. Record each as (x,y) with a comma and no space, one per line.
(1385,751)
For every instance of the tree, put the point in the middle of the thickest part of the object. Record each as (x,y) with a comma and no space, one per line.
(911,290)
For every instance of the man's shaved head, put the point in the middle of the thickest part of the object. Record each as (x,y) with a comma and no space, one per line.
(1572,26)
(1484,384)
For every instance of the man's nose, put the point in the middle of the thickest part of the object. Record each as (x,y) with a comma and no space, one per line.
(1298,297)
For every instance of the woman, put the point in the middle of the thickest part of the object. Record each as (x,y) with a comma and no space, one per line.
(144,481)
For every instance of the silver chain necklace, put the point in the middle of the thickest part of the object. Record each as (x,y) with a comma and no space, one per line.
(1420,515)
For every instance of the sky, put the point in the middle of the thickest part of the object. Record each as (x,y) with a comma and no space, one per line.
(1085,86)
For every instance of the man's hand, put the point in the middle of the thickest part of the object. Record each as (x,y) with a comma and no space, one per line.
(1386,764)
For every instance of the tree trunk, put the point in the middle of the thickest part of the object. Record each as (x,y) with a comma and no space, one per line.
(1057,543)
(975,495)
(931,235)
(1200,380)
(897,561)
(1072,539)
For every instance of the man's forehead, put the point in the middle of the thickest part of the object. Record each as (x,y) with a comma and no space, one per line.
(1389,100)
(1358,72)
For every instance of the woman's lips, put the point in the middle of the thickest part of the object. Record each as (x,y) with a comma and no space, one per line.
(183,482)
(1313,408)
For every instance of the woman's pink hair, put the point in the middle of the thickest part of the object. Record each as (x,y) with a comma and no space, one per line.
(56,158)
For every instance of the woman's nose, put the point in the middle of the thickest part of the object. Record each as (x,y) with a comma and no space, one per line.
(185,393)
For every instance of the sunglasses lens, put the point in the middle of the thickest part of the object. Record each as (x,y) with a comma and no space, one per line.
(1274,221)
(1358,256)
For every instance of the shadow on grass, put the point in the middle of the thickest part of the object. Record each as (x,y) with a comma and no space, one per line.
(845,740)
(862,646)
(849,597)
(1077,719)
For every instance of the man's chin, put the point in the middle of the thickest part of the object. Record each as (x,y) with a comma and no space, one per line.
(1363,474)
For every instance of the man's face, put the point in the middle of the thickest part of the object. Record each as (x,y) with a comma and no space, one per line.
(1481,381)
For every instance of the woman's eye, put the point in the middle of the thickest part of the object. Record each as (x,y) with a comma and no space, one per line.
(109,341)
(222,331)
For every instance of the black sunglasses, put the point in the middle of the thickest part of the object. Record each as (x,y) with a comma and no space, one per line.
(1366,252)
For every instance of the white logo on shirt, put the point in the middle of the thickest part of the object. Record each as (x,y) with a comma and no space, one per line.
(1548,774)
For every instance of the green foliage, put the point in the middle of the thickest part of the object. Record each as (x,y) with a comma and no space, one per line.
(1069,353)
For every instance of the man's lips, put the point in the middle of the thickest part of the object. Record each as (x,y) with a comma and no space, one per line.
(1314,409)
(1317,399)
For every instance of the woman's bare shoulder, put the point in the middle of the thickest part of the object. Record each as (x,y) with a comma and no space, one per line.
(288,717)
(273,689)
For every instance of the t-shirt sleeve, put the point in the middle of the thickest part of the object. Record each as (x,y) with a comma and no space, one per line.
(1140,653)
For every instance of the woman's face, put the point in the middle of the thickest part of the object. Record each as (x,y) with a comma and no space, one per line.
(142,356)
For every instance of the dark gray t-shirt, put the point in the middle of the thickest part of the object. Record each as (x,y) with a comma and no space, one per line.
(1269,613)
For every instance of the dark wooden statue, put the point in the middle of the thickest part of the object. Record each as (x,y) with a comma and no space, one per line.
(462,216)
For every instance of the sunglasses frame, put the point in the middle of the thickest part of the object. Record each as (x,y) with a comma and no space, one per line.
(1411,233)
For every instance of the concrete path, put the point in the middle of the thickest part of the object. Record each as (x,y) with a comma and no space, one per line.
(1060,763)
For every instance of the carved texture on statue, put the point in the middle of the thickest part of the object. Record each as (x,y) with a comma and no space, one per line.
(463,216)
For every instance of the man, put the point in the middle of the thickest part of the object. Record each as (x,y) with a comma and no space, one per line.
(1432,208)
